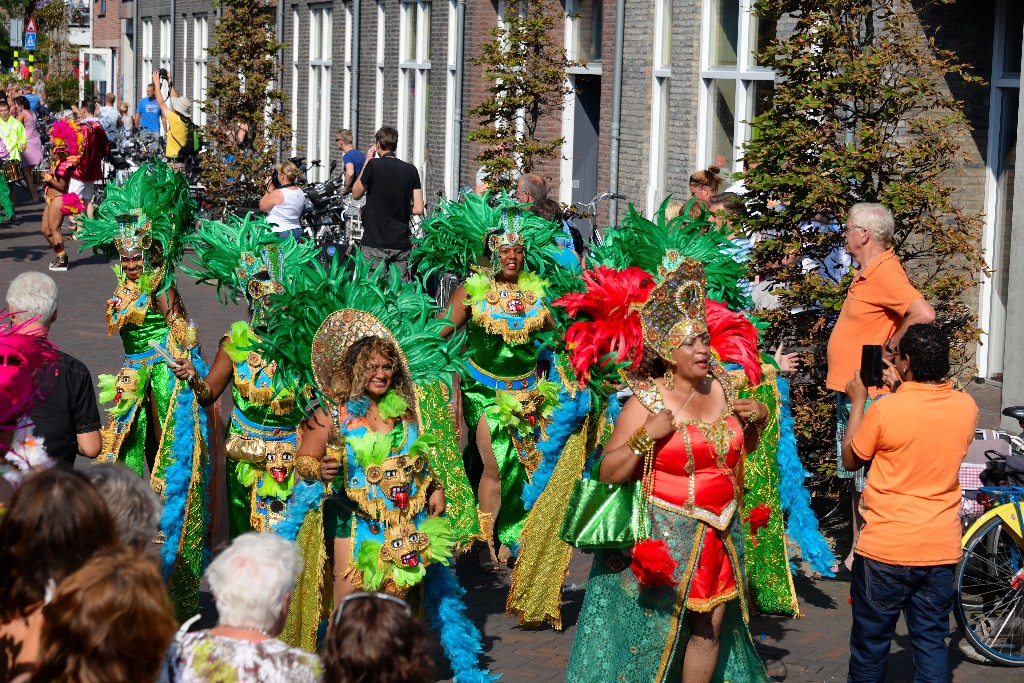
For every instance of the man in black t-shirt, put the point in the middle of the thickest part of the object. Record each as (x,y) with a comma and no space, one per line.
(67,417)
(393,197)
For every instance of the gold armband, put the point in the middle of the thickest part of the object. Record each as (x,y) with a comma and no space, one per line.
(641,443)
(308,467)
(434,485)
(200,388)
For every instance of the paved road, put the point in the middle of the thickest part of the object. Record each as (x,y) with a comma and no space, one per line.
(814,648)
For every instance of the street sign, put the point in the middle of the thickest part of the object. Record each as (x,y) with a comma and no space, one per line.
(31,28)
(15,32)
(30,41)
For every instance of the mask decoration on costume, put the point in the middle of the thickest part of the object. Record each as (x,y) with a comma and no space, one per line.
(261,273)
(403,545)
(394,476)
(676,307)
(280,459)
(508,234)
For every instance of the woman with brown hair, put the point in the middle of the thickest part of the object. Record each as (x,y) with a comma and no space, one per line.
(706,183)
(283,201)
(109,622)
(374,637)
(55,522)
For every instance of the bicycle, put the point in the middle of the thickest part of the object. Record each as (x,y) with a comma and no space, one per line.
(989,579)
(588,212)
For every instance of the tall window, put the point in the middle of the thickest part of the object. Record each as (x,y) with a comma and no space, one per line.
(200,47)
(413,81)
(295,81)
(318,144)
(661,77)
(147,52)
(734,88)
(378,104)
(451,175)
(165,43)
(346,107)
(182,76)
(587,27)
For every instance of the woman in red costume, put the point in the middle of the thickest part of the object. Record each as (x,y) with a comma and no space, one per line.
(679,613)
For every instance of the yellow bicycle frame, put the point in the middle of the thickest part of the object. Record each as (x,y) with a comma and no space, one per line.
(1010,514)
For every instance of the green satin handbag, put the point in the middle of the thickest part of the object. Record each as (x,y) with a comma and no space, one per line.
(602,515)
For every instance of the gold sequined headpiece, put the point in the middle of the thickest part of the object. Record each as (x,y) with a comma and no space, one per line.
(134,233)
(675,309)
(508,234)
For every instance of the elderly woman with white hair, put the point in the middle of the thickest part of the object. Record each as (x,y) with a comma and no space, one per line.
(251,582)
(132,503)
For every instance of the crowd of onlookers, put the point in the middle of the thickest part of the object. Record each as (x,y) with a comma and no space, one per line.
(82,599)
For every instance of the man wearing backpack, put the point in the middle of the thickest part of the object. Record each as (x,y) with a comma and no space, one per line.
(180,129)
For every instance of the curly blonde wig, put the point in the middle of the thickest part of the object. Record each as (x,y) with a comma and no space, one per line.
(350,382)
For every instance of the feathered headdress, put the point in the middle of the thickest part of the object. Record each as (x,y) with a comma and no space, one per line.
(21,355)
(461,235)
(244,256)
(153,207)
(322,314)
(67,138)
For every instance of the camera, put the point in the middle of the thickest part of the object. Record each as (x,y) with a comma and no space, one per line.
(163,75)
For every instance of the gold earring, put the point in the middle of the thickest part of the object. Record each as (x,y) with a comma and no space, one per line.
(670,382)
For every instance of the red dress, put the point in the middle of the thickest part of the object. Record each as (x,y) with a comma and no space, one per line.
(694,477)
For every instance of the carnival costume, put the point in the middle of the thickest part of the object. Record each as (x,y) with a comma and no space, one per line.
(244,256)
(500,384)
(378,500)
(146,217)
(68,142)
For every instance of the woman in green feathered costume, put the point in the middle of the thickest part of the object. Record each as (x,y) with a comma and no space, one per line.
(502,309)
(156,422)
(243,255)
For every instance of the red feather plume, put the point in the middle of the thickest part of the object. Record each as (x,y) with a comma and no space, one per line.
(734,338)
(606,331)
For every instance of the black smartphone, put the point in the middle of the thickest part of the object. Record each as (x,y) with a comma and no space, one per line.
(871,365)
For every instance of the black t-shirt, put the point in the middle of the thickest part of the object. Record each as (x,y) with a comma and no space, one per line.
(68,408)
(389,183)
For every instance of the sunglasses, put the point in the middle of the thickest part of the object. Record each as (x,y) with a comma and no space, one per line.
(363,595)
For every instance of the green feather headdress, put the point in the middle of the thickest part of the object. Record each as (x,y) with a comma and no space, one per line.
(160,197)
(456,235)
(231,254)
(331,307)
(643,243)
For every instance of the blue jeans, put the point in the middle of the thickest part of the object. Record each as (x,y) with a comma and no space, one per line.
(880,592)
(293,234)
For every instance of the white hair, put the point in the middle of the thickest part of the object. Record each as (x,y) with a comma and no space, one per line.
(33,295)
(133,505)
(252,578)
(874,218)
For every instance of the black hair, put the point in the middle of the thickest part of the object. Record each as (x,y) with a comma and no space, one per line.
(928,348)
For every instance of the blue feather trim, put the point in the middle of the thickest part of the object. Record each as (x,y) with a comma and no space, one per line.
(567,418)
(178,474)
(201,367)
(306,496)
(358,407)
(459,636)
(801,524)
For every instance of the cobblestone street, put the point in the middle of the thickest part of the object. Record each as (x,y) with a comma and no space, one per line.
(814,648)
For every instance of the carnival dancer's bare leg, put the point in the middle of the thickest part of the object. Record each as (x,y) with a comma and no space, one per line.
(701,656)
(488,493)
(50,227)
(342,561)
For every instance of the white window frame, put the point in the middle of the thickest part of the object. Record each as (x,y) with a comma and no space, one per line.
(378,104)
(321,51)
(183,76)
(200,65)
(165,43)
(296,26)
(346,106)
(147,53)
(661,78)
(990,315)
(745,75)
(565,187)
(451,177)
(414,70)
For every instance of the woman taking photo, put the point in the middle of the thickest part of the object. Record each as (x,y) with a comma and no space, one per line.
(283,201)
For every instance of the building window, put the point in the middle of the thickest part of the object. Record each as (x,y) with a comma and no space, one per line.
(451,164)
(661,77)
(295,81)
(103,8)
(734,87)
(587,27)
(165,43)
(147,52)
(200,73)
(346,107)
(318,141)
(182,77)
(413,81)
(378,105)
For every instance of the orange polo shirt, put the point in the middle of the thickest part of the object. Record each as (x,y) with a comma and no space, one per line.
(872,312)
(915,441)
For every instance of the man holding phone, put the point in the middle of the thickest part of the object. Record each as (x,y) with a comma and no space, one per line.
(879,307)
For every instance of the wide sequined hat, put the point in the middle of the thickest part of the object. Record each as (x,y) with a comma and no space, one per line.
(675,309)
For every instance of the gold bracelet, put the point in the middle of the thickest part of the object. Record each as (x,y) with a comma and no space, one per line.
(200,388)
(641,443)
(756,418)
(308,467)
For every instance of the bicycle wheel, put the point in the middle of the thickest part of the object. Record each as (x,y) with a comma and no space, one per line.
(989,604)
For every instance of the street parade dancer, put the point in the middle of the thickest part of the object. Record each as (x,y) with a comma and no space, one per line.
(156,421)
(370,347)
(67,141)
(501,307)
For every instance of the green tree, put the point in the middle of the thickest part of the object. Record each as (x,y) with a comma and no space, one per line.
(243,91)
(528,71)
(859,114)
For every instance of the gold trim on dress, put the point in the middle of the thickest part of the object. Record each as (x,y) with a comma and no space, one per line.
(719,521)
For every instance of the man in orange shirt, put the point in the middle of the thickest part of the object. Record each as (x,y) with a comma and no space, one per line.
(910,543)
(879,307)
